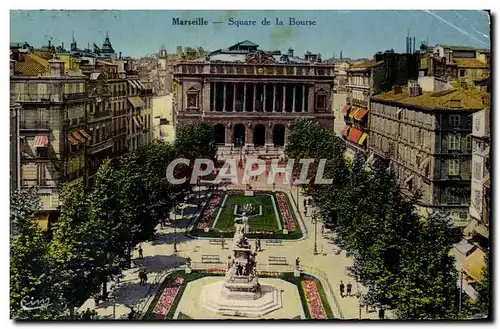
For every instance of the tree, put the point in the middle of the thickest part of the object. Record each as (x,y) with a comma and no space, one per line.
(196,141)
(31,274)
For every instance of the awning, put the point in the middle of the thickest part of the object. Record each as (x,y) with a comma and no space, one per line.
(353,112)
(345,108)
(464,247)
(474,264)
(141,85)
(137,122)
(85,134)
(72,140)
(425,162)
(78,137)
(136,101)
(354,135)
(136,83)
(344,131)
(40,141)
(133,85)
(360,114)
(409,178)
(141,120)
(362,139)
(482,230)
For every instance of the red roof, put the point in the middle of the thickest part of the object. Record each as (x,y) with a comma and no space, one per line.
(354,135)
(344,131)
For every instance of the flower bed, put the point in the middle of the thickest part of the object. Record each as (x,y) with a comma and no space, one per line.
(214,271)
(313,299)
(287,217)
(270,274)
(206,217)
(167,298)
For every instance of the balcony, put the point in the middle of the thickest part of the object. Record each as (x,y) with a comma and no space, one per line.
(231,68)
(98,116)
(358,102)
(35,125)
(75,96)
(36,98)
(101,146)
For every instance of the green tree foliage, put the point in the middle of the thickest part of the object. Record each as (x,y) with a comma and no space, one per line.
(402,260)
(32,277)
(196,141)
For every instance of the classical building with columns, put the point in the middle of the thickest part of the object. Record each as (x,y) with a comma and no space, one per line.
(253,96)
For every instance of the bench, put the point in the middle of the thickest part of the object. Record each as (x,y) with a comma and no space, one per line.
(274,242)
(215,241)
(210,259)
(273,260)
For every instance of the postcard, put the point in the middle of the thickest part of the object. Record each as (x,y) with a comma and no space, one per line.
(250,165)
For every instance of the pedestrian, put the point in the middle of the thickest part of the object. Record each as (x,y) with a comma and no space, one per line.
(141,256)
(222,242)
(260,245)
(342,287)
(87,314)
(349,289)
(381,314)
(305,204)
(175,246)
(94,315)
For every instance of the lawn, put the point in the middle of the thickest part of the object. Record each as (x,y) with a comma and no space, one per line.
(265,222)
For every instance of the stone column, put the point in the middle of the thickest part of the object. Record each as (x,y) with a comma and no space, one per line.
(229,134)
(244,97)
(224,100)
(304,98)
(284,97)
(215,95)
(310,100)
(264,98)
(248,133)
(234,97)
(274,97)
(294,92)
(254,96)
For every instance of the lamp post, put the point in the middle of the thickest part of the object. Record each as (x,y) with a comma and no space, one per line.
(315,221)
(239,144)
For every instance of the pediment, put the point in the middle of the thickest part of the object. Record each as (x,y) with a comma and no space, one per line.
(260,57)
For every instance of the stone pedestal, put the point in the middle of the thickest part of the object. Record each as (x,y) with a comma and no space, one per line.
(187,270)
(296,273)
(248,193)
(206,229)
(285,231)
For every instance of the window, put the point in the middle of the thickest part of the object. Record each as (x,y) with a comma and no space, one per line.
(468,143)
(462,73)
(453,167)
(321,102)
(192,100)
(453,142)
(476,199)
(454,120)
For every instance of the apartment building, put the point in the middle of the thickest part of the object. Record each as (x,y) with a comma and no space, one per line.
(479,210)
(15,153)
(364,80)
(70,121)
(422,131)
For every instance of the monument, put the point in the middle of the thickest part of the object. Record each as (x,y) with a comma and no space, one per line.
(240,293)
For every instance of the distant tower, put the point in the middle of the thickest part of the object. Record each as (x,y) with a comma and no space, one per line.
(107,49)
(341,54)
(73,43)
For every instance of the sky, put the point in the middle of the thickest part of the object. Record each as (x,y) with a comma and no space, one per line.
(358,34)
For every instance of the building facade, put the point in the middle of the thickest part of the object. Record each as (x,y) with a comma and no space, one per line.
(479,210)
(72,120)
(252,96)
(15,142)
(423,132)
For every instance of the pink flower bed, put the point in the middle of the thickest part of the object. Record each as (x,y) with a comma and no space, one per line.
(215,271)
(314,303)
(209,211)
(167,298)
(287,218)
(270,273)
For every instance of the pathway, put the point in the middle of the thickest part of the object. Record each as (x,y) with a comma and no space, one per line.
(159,255)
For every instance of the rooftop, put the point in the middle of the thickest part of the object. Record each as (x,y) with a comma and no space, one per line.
(366,65)
(470,63)
(468,99)
(458,48)
(32,65)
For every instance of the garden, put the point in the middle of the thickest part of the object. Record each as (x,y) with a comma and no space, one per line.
(163,306)
(270,215)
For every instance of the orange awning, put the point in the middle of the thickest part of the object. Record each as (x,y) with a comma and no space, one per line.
(40,141)
(354,135)
(344,131)
(353,112)
(78,137)
(360,114)
(85,134)
(346,108)
(72,140)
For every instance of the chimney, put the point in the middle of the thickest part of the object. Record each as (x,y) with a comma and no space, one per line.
(397,90)
(50,44)
(56,68)
(120,55)
(455,103)
(464,85)
(290,52)
(12,67)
